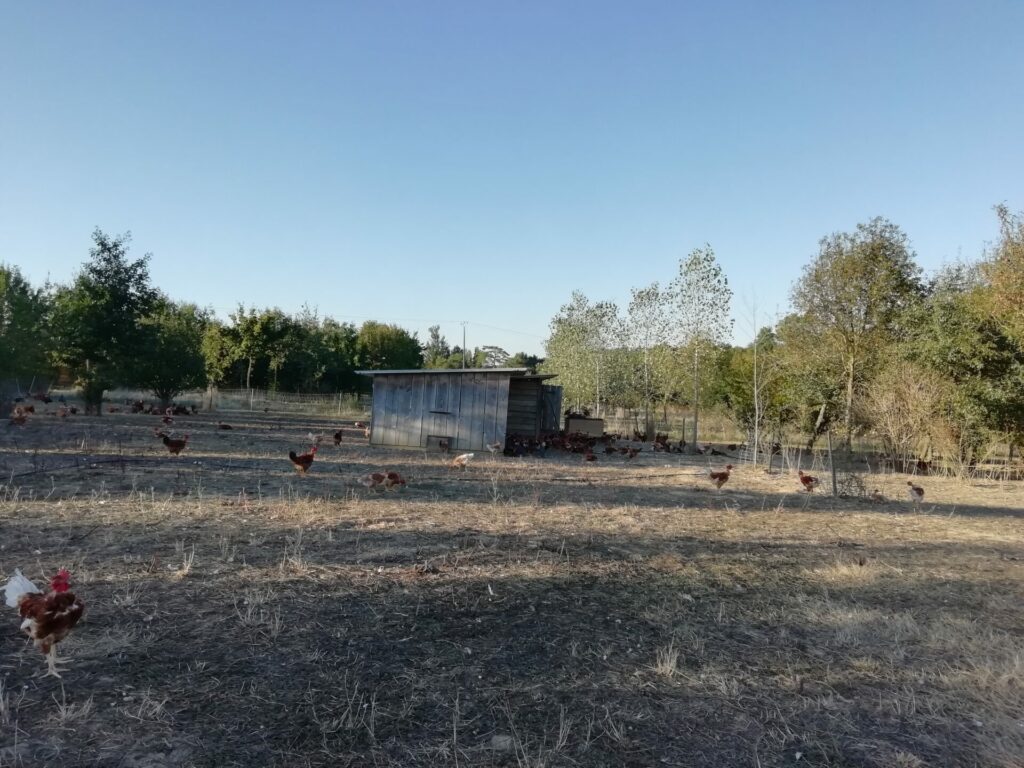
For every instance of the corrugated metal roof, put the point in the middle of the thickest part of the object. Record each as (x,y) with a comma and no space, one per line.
(446,371)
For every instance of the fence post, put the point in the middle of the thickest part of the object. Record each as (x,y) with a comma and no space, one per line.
(831,465)
(251,395)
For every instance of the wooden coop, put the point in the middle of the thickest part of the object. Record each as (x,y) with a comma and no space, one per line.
(471,408)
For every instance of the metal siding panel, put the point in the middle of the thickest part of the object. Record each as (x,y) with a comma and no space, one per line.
(468,429)
(476,425)
(390,422)
(418,409)
(410,430)
(465,387)
(376,411)
(491,410)
(398,411)
(501,412)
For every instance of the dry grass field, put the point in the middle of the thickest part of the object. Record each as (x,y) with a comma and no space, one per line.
(524,612)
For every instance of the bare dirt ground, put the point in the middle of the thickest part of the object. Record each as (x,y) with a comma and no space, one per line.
(524,612)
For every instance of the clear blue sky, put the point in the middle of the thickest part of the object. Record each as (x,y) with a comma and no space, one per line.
(427,162)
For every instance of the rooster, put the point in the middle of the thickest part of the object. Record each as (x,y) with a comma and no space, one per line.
(174,447)
(304,461)
(807,481)
(460,461)
(720,478)
(337,437)
(46,618)
(589,456)
(392,479)
(916,494)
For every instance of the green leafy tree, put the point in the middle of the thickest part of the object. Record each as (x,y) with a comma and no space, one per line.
(382,347)
(951,334)
(702,298)
(97,323)
(524,360)
(23,325)
(1004,273)
(852,298)
(220,352)
(436,352)
(172,359)
(577,350)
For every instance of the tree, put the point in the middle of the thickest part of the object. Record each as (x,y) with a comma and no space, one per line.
(23,325)
(952,334)
(701,297)
(494,357)
(1004,272)
(383,347)
(853,296)
(581,336)
(436,351)
(750,385)
(173,361)
(249,333)
(524,360)
(645,328)
(219,352)
(97,320)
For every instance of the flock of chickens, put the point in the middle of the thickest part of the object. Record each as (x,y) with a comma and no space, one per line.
(48,617)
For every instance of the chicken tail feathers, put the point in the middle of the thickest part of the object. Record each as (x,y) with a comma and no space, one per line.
(17,586)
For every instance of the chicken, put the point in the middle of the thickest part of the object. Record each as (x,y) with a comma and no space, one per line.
(721,477)
(444,445)
(304,461)
(174,446)
(337,437)
(916,494)
(167,420)
(392,479)
(809,483)
(366,433)
(876,496)
(222,425)
(494,447)
(373,479)
(632,453)
(460,461)
(589,456)
(18,416)
(46,618)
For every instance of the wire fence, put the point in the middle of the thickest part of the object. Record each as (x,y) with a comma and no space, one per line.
(254,400)
(337,404)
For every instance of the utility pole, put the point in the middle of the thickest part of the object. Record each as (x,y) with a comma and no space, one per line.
(463,343)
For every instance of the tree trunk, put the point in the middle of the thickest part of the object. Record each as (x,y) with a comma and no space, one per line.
(248,373)
(696,397)
(816,432)
(848,409)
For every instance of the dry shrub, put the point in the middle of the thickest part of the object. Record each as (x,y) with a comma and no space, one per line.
(904,403)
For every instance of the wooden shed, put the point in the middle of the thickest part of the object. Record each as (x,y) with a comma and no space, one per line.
(469,407)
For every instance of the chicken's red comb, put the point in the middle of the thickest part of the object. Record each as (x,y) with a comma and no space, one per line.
(64,574)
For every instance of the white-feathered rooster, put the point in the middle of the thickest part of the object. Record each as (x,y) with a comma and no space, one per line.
(46,618)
